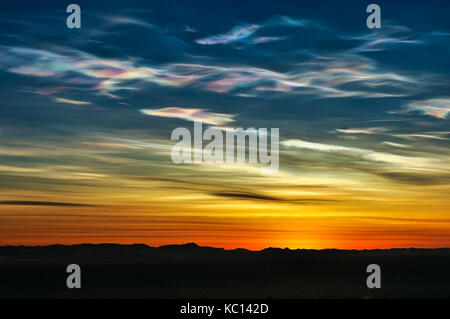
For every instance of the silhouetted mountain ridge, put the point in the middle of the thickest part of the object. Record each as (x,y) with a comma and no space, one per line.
(189,250)
(193,271)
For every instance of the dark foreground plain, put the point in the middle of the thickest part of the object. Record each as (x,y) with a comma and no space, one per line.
(190,271)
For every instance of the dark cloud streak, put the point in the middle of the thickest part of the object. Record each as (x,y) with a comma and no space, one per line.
(42,203)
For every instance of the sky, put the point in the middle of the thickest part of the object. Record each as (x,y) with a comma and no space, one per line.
(86,117)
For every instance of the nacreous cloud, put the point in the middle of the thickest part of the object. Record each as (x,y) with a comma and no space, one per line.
(72,67)
(439,108)
(383,39)
(337,76)
(244,33)
(334,76)
(191,115)
(68,101)
(238,33)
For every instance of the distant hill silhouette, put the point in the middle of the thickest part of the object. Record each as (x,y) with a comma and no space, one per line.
(192,271)
(189,249)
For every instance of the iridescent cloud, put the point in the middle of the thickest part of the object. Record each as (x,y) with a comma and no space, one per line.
(439,107)
(68,101)
(385,38)
(73,67)
(336,76)
(259,40)
(191,114)
(344,75)
(244,33)
(236,34)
